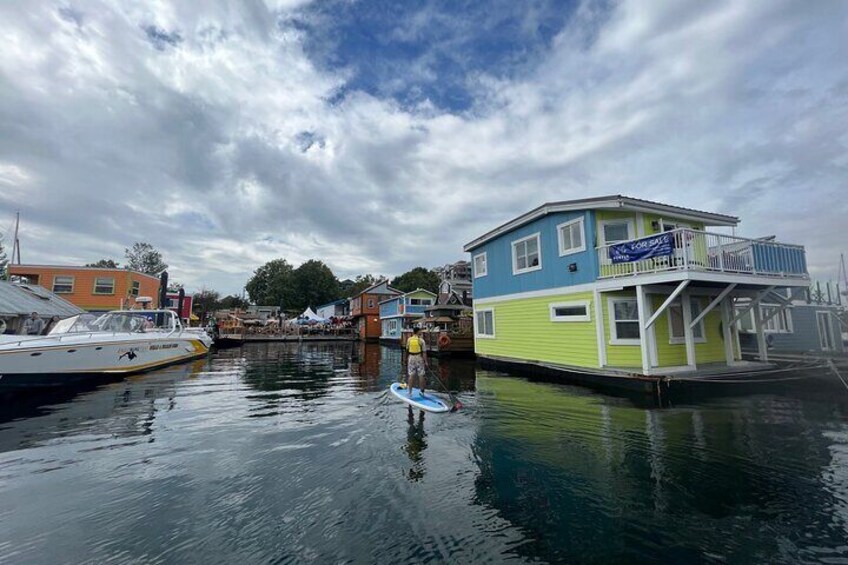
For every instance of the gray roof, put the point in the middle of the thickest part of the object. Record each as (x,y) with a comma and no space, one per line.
(22,299)
(613,202)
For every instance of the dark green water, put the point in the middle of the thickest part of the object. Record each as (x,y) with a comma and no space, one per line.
(278,454)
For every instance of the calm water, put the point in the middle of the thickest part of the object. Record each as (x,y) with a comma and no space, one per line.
(276,453)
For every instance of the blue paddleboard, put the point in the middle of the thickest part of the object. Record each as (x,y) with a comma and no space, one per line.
(425,401)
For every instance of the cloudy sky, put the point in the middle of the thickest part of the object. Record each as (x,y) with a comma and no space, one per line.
(378,136)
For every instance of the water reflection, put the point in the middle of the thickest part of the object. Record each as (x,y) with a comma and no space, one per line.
(294,452)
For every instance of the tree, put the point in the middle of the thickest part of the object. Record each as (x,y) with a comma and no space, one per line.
(271,284)
(144,258)
(4,262)
(104,264)
(174,286)
(419,277)
(361,283)
(233,302)
(204,302)
(313,284)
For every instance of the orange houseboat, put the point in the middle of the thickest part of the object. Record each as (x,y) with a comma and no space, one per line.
(365,309)
(91,288)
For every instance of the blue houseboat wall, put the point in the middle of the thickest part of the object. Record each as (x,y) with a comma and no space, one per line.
(399,312)
(555,270)
(799,330)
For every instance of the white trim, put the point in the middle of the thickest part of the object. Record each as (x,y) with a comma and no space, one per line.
(828,327)
(485,271)
(562,252)
(587,317)
(73,283)
(643,309)
(478,334)
(682,340)
(587,287)
(515,270)
(614,339)
(631,230)
(599,329)
(640,225)
(616,202)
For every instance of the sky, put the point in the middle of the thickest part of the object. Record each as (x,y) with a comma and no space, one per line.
(379,136)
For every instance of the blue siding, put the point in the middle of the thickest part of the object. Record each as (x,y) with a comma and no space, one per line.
(414,309)
(389,308)
(554,272)
(770,259)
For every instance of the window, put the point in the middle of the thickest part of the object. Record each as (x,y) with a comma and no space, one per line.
(616,231)
(570,311)
(104,285)
(624,321)
(525,255)
(481,266)
(571,237)
(484,323)
(779,323)
(370,302)
(675,322)
(136,288)
(420,302)
(63,285)
(173,303)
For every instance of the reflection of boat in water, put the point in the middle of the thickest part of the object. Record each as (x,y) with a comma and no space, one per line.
(117,343)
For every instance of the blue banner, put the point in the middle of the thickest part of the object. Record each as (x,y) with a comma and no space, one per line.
(655,246)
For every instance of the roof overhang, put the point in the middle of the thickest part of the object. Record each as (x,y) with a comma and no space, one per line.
(616,202)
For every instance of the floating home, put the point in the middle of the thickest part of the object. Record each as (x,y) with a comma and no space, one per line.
(365,309)
(402,312)
(621,289)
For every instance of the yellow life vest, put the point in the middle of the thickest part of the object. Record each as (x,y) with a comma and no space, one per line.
(414,345)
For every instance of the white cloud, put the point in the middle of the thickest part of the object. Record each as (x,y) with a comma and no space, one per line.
(209,132)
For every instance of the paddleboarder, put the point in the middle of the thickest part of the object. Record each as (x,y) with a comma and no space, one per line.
(416,361)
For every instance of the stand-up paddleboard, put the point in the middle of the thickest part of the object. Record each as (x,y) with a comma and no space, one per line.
(425,401)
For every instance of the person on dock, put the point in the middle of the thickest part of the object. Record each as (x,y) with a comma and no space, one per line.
(33,325)
(416,361)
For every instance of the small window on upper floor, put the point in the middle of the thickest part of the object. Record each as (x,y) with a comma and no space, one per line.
(571,236)
(526,255)
(481,266)
(63,284)
(136,288)
(104,285)
(616,231)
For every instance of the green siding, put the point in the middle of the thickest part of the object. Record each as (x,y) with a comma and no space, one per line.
(524,330)
(619,355)
(420,294)
(670,355)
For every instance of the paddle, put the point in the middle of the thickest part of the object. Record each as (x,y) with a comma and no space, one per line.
(454,400)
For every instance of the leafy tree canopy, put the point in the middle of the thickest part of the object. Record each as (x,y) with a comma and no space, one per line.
(145,258)
(361,283)
(271,284)
(232,302)
(104,263)
(204,302)
(314,284)
(419,277)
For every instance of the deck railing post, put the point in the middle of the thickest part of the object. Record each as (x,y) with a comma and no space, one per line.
(727,331)
(720,248)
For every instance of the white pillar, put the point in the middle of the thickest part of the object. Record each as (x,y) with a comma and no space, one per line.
(761,335)
(727,331)
(688,332)
(642,304)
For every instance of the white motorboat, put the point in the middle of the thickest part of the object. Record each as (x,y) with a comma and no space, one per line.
(116,343)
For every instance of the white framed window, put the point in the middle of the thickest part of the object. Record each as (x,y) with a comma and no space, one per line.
(779,324)
(63,284)
(104,285)
(616,231)
(136,288)
(526,254)
(481,265)
(577,311)
(420,302)
(484,323)
(572,237)
(825,326)
(624,321)
(675,322)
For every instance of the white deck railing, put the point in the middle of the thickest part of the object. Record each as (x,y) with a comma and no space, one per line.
(696,250)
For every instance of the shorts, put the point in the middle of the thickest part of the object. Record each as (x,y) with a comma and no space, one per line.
(415,366)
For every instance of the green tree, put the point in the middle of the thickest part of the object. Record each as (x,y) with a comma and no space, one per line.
(361,283)
(271,284)
(104,263)
(205,302)
(419,277)
(232,302)
(314,284)
(144,258)
(174,286)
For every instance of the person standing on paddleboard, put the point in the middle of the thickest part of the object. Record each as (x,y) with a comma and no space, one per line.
(416,361)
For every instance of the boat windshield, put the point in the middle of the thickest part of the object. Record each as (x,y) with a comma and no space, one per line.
(140,321)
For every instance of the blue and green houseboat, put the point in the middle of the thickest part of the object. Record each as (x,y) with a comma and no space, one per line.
(402,312)
(622,288)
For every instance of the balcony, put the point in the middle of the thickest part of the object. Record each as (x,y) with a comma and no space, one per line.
(700,251)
